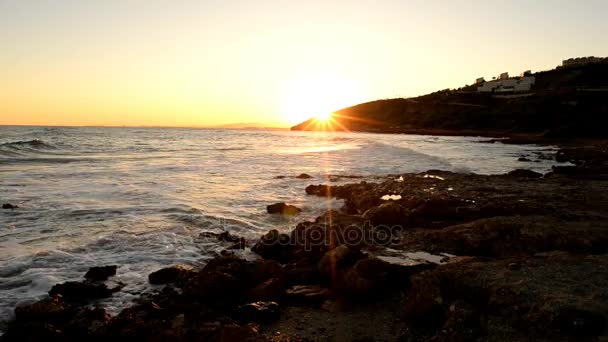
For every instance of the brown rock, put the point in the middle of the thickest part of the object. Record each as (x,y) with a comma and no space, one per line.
(283,208)
(172,274)
(390,214)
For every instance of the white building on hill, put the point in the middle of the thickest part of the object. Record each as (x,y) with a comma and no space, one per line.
(503,84)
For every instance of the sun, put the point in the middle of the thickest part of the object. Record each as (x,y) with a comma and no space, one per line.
(317,95)
(324,116)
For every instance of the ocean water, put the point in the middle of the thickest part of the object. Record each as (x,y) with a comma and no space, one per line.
(140,197)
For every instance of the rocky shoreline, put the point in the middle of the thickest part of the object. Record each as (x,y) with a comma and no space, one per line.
(430,256)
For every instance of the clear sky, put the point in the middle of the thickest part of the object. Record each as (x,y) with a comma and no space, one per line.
(195,63)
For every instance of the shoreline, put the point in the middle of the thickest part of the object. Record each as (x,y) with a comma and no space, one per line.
(521,240)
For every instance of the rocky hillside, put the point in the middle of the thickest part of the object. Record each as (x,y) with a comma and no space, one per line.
(565,103)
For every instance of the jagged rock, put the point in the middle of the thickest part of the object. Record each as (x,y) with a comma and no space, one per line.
(438,212)
(319,190)
(258,312)
(283,209)
(553,294)
(271,289)
(81,291)
(505,236)
(172,274)
(523,159)
(216,288)
(338,259)
(390,214)
(273,245)
(523,173)
(235,241)
(48,308)
(88,322)
(223,281)
(101,273)
(303,176)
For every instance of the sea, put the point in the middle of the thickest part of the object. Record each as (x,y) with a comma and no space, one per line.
(140,198)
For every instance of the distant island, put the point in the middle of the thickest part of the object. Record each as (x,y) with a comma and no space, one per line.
(570,101)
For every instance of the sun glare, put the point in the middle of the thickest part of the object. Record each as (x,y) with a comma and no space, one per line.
(317,95)
(324,116)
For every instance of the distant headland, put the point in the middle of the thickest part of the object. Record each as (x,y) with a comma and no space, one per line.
(570,101)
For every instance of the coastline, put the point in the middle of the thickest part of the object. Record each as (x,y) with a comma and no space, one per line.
(508,257)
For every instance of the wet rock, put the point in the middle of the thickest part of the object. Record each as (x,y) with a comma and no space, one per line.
(319,190)
(283,209)
(258,312)
(75,291)
(88,322)
(101,273)
(9,206)
(303,176)
(307,294)
(216,288)
(234,241)
(48,308)
(223,281)
(523,173)
(390,214)
(273,245)
(271,289)
(173,274)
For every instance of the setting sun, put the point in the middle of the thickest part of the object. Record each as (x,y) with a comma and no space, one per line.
(318,95)
(324,116)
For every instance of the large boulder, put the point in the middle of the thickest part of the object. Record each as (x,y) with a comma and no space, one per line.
(178,274)
(76,291)
(389,214)
(338,259)
(283,208)
(273,245)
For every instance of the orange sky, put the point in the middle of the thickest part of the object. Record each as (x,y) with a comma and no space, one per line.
(196,63)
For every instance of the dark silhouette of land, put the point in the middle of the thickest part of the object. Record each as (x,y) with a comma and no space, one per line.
(564,103)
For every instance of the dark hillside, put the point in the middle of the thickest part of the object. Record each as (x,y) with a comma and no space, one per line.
(564,103)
